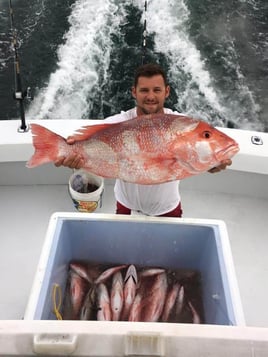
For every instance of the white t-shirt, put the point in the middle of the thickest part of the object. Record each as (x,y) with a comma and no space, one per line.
(152,200)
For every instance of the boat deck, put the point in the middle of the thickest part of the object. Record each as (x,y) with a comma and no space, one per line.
(25,209)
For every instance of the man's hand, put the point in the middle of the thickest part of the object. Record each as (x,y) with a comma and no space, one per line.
(74,161)
(222,166)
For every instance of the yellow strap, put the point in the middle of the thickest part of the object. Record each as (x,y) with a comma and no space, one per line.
(57,299)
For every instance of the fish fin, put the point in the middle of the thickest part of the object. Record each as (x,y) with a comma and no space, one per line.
(88,130)
(46,144)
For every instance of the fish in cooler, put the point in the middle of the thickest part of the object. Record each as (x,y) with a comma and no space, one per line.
(89,306)
(130,293)
(117,296)
(108,273)
(196,317)
(104,305)
(170,301)
(77,292)
(82,271)
(154,298)
(136,309)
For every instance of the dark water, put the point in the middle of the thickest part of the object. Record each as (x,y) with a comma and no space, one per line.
(78,57)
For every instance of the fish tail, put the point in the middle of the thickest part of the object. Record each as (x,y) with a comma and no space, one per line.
(46,144)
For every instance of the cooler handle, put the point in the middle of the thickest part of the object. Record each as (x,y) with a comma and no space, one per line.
(53,344)
(144,344)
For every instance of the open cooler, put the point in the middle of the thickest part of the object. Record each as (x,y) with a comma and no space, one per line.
(170,243)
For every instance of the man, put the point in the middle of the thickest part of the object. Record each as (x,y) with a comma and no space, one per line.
(150,91)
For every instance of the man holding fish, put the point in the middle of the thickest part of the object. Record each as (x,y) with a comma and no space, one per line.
(160,146)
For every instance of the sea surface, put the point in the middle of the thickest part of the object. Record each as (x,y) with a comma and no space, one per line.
(78,57)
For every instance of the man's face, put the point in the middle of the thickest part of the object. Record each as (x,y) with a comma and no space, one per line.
(150,94)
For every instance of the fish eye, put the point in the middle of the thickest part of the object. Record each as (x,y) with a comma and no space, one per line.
(206,134)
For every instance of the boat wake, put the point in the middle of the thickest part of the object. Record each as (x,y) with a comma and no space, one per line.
(103,46)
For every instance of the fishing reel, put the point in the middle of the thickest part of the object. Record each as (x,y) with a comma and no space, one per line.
(21,96)
(27,94)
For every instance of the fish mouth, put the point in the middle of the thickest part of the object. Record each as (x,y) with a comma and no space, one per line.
(228,152)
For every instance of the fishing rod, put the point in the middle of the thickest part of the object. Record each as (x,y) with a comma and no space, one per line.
(19,94)
(144,34)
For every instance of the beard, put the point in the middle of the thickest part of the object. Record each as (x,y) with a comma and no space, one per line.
(153,110)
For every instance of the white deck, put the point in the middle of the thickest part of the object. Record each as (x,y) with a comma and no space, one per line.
(29,197)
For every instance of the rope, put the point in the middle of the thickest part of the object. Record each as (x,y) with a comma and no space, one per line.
(144,34)
(57,300)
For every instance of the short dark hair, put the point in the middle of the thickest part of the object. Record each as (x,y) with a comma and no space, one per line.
(149,70)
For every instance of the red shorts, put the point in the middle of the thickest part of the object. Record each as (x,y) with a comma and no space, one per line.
(176,212)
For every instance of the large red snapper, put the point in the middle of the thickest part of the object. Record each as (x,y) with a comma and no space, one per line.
(148,149)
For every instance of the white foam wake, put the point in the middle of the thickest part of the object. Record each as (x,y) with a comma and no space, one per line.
(197,91)
(86,49)
(168,20)
(84,59)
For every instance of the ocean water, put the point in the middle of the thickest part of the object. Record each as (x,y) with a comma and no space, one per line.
(78,57)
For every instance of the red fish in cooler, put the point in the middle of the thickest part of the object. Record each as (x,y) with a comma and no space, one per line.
(179,302)
(108,273)
(154,301)
(81,270)
(89,308)
(103,306)
(130,285)
(136,309)
(196,317)
(78,289)
(170,301)
(150,272)
(117,296)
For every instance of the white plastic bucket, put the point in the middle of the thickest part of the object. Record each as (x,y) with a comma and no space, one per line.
(86,190)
